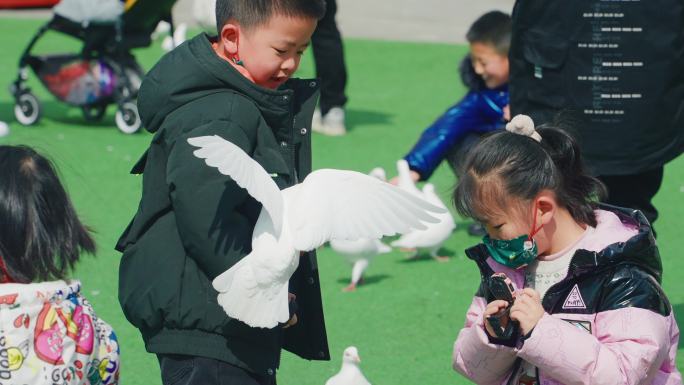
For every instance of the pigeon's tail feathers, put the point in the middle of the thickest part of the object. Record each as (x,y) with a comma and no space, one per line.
(241,297)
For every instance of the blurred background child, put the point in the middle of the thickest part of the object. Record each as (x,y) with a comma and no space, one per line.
(49,331)
(483,109)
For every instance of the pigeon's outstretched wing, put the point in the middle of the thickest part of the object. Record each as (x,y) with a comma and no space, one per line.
(231,160)
(337,204)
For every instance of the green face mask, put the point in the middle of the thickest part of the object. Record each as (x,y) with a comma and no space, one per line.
(514,253)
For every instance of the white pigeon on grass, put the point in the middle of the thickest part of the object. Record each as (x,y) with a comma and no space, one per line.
(359,252)
(350,373)
(434,235)
(405,181)
(328,204)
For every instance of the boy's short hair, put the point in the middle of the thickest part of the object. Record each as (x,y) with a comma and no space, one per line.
(492,28)
(251,13)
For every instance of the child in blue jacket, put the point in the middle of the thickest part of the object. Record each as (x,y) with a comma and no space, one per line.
(483,109)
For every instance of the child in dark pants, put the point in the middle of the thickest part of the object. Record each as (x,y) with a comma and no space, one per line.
(194,223)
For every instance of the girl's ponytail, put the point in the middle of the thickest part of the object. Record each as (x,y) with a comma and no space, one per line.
(577,190)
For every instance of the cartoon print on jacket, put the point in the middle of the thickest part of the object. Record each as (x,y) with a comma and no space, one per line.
(52,336)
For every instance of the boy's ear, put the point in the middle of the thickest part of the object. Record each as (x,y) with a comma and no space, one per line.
(230,38)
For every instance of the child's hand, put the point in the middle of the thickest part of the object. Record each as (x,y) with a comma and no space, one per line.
(293,320)
(507,113)
(491,309)
(527,310)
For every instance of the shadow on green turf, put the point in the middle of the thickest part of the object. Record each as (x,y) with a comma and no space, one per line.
(367,280)
(422,257)
(355,117)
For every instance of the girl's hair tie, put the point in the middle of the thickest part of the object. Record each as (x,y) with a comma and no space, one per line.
(523,125)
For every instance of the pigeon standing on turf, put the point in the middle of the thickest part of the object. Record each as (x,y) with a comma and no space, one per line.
(360,252)
(350,373)
(328,204)
(435,234)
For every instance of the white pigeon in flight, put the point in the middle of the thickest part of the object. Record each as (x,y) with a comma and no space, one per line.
(359,252)
(350,373)
(328,204)
(434,235)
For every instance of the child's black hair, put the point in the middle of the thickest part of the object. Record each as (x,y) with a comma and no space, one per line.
(251,13)
(41,236)
(493,28)
(507,165)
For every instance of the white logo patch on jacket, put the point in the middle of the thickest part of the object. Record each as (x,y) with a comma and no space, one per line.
(574,300)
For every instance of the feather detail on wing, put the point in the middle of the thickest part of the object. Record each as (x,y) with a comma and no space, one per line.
(337,204)
(232,161)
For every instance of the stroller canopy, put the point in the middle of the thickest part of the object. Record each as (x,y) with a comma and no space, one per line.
(90,11)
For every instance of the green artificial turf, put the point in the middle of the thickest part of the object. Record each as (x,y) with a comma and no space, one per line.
(405,319)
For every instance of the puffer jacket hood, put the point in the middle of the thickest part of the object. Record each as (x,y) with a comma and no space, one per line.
(469,77)
(202,75)
(639,250)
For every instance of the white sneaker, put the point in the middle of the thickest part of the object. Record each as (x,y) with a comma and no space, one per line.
(4,129)
(317,121)
(332,124)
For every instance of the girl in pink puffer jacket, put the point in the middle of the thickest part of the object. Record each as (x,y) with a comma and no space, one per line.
(587,305)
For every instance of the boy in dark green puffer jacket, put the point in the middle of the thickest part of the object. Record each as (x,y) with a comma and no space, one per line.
(194,223)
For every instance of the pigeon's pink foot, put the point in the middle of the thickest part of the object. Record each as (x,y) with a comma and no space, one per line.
(350,287)
(441,258)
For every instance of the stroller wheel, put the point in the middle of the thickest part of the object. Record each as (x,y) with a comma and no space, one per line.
(94,113)
(27,109)
(127,118)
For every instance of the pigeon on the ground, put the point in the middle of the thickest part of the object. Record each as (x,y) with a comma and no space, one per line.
(360,252)
(328,204)
(350,373)
(432,237)
(405,181)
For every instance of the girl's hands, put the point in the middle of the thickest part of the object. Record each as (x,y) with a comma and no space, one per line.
(491,309)
(527,309)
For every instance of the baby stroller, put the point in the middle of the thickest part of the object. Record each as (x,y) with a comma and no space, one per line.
(104,72)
